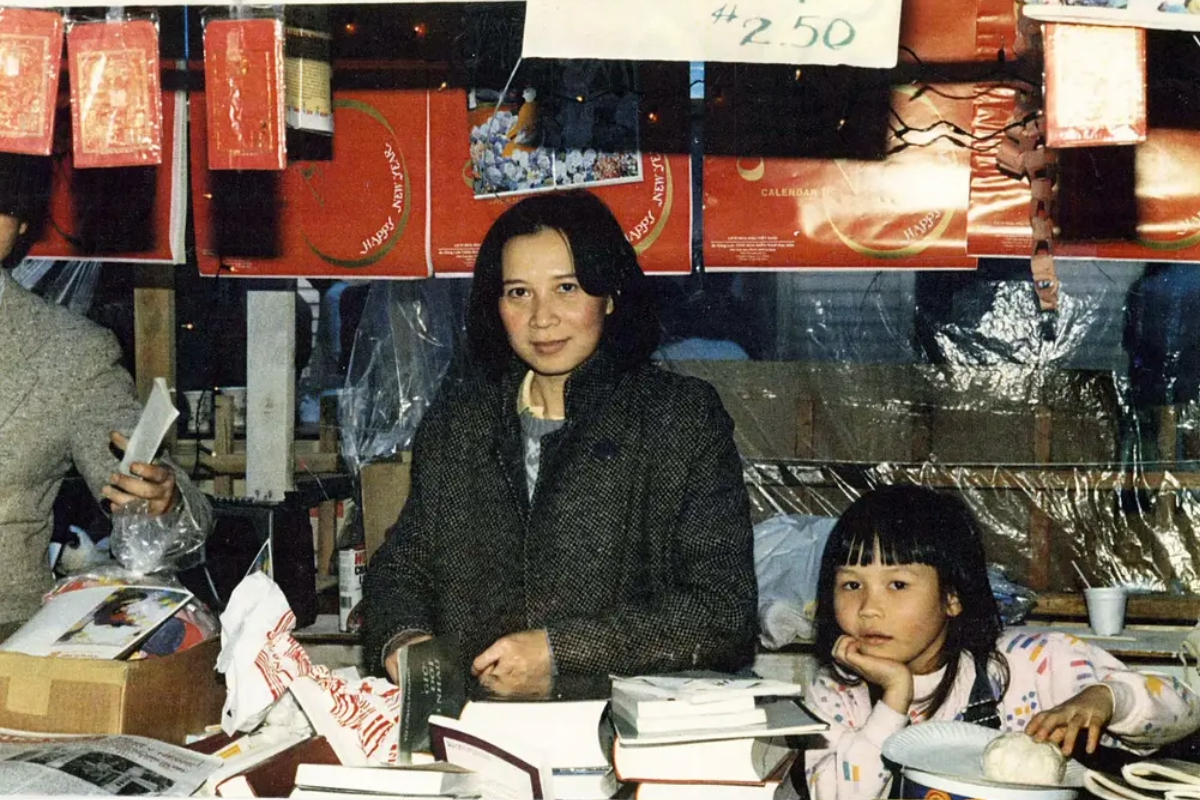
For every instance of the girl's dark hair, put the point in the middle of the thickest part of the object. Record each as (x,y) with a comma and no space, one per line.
(915,525)
(605,264)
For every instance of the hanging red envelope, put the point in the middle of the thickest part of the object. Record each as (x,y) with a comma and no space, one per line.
(30,57)
(116,94)
(243,80)
(655,212)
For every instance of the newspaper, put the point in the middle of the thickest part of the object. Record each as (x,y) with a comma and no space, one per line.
(46,764)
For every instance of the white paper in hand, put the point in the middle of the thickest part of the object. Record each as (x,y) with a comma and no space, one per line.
(157,418)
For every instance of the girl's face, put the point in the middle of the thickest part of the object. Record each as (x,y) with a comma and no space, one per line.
(553,325)
(898,613)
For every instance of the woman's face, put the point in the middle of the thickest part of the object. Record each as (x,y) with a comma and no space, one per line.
(553,325)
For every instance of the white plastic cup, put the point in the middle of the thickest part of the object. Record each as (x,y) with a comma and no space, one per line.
(1106,609)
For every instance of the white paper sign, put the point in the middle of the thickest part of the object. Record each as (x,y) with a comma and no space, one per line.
(863,33)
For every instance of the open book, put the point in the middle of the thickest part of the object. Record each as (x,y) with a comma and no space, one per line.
(1152,779)
(96,622)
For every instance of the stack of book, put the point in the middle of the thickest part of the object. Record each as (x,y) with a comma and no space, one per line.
(570,738)
(718,737)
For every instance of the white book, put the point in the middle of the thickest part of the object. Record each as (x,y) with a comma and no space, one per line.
(158,415)
(735,719)
(762,790)
(698,690)
(567,731)
(428,779)
(784,718)
(718,761)
(638,704)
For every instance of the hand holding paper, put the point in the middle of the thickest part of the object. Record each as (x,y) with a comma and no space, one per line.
(154,483)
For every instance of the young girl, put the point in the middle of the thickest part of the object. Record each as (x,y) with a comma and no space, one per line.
(908,631)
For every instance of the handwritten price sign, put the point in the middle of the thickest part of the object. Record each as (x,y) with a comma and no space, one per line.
(862,33)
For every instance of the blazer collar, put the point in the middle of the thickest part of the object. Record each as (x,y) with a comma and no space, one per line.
(587,388)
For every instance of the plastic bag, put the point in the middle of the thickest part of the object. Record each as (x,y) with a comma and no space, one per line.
(402,349)
(787,561)
(1015,601)
(144,543)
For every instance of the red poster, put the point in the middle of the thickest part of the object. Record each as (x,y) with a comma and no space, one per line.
(243,74)
(656,212)
(1167,197)
(907,210)
(116,108)
(30,55)
(83,222)
(361,215)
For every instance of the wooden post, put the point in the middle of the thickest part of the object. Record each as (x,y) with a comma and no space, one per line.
(270,393)
(154,332)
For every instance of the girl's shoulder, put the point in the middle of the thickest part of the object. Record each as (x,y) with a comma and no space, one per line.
(1017,645)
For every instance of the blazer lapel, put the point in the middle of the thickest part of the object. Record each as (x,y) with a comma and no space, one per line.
(18,343)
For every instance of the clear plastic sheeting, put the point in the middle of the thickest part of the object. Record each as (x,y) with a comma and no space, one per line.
(402,349)
(1074,437)
(71,283)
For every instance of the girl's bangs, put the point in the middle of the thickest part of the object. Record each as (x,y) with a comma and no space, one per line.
(895,542)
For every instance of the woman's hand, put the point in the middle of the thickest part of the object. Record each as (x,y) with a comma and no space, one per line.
(893,677)
(1090,710)
(154,483)
(516,665)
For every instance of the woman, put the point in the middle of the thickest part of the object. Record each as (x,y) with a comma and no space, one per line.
(574,509)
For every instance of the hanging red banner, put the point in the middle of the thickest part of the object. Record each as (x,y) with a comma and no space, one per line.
(129,214)
(656,212)
(361,215)
(907,210)
(1167,189)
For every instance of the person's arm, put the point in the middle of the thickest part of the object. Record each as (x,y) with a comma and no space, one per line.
(851,767)
(707,617)
(1147,711)
(398,590)
(105,401)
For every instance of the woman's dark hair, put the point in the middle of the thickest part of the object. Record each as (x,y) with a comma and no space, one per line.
(605,264)
(915,525)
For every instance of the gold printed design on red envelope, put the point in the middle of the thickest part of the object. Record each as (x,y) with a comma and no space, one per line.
(30,48)
(116,101)
(243,73)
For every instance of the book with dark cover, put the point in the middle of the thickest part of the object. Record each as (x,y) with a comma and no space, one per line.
(276,776)
(431,682)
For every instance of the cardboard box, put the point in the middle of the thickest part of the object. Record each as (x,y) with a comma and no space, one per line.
(163,698)
(385,486)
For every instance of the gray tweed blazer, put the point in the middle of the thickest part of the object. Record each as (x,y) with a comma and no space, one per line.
(635,553)
(62,391)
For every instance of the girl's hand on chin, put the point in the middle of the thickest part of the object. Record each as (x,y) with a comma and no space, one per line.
(894,677)
(1090,710)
